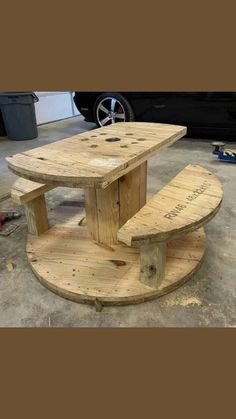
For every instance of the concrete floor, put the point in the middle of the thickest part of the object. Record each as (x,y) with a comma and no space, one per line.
(207,300)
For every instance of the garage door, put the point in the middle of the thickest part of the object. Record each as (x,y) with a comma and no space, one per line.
(53,106)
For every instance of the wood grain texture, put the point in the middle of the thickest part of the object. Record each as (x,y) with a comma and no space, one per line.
(95,158)
(108,209)
(189,201)
(152,263)
(132,192)
(36,215)
(66,261)
(102,213)
(24,190)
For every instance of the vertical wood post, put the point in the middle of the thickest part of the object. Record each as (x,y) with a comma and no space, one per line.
(102,213)
(152,263)
(108,209)
(132,192)
(36,215)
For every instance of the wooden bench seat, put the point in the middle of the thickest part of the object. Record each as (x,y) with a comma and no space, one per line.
(24,190)
(31,194)
(189,201)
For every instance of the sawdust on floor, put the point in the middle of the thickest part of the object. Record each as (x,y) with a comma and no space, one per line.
(183,301)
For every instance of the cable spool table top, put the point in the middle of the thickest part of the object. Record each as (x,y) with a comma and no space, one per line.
(95,158)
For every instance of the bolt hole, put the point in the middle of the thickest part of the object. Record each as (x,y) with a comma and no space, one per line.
(141,139)
(112,139)
(94,146)
(123,146)
(84,139)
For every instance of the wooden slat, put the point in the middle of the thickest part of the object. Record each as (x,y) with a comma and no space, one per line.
(102,213)
(108,209)
(132,192)
(90,159)
(36,215)
(189,201)
(69,263)
(91,212)
(24,190)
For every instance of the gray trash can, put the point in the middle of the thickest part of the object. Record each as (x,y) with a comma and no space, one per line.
(18,114)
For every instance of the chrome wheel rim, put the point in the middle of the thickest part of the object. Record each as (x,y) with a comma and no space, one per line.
(109,111)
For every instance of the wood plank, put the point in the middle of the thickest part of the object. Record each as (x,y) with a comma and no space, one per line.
(152,263)
(24,190)
(95,158)
(36,215)
(66,261)
(102,213)
(91,212)
(143,184)
(189,201)
(108,209)
(132,192)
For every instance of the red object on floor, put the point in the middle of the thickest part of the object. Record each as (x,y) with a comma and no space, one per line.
(7,216)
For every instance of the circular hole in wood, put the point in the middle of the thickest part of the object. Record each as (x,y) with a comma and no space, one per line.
(103,133)
(94,146)
(84,139)
(129,133)
(93,136)
(112,139)
(134,142)
(123,146)
(141,139)
(41,158)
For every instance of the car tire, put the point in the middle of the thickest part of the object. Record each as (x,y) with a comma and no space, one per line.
(110,108)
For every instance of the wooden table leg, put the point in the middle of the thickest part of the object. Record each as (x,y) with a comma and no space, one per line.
(108,209)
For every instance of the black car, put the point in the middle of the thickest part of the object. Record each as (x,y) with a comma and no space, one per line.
(204,113)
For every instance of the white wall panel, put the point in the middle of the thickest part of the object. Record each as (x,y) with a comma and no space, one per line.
(53,106)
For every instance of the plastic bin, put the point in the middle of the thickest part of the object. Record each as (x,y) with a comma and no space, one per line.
(18,114)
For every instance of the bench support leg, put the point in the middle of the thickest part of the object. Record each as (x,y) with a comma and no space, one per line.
(36,215)
(152,263)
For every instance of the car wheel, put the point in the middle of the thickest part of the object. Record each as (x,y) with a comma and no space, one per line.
(110,108)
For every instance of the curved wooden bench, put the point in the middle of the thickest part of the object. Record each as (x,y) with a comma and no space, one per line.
(31,194)
(188,202)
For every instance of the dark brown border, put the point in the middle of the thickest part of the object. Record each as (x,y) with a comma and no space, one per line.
(117,373)
(172,46)
(150,46)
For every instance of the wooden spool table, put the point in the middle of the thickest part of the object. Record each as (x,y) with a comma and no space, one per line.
(87,263)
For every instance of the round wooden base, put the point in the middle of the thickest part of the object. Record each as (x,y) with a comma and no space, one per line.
(67,262)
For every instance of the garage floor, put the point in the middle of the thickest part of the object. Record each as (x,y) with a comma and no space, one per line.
(207,300)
